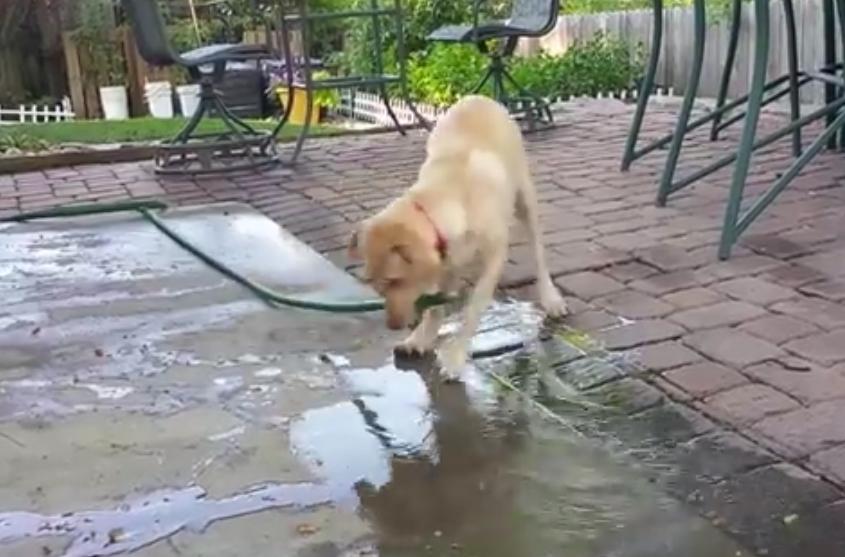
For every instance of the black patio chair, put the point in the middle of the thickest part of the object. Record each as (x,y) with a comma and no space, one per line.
(239,146)
(528,18)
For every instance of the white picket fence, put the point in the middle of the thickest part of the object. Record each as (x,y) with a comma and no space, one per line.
(368,107)
(34,113)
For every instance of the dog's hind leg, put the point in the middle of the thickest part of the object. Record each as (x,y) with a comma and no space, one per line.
(527,213)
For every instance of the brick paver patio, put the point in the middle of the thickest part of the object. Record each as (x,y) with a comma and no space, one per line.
(756,343)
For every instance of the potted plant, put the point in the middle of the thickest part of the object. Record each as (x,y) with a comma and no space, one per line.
(97,36)
(323,99)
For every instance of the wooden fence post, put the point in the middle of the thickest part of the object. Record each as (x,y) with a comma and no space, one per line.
(134,73)
(74,75)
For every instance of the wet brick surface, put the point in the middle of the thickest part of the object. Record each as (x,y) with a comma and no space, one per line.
(646,281)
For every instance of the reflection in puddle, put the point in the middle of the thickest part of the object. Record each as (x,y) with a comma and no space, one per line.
(354,441)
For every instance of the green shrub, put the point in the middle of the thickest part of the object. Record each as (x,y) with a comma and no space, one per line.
(14,142)
(96,35)
(601,65)
(445,74)
(543,74)
(420,18)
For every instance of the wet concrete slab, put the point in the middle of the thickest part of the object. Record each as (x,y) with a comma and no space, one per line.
(149,405)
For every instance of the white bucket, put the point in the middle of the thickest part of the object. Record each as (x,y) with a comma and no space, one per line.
(159,98)
(189,99)
(114,102)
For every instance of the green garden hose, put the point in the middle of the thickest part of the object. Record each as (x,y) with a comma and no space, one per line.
(147,210)
(86,209)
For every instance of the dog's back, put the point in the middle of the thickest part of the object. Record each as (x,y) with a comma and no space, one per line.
(476,123)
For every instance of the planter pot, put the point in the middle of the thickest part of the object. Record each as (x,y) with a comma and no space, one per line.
(159,96)
(114,102)
(189,99)
(300,103)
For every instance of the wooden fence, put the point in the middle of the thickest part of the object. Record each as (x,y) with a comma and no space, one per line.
(84,93)
(636,27)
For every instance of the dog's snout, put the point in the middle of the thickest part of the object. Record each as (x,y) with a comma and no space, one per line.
(395,324)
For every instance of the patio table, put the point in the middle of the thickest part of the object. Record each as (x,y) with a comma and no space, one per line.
(761,93)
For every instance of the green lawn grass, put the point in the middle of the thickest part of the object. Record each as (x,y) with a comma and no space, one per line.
(127,131)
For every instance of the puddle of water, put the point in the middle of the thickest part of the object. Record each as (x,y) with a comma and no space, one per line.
(438,468)
(434,468)
(140,522)
(470,469)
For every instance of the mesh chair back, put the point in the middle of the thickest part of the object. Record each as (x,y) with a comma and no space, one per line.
(150,32)
(537,16)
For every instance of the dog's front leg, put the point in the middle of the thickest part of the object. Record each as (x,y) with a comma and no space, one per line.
(424,335)
(453,355)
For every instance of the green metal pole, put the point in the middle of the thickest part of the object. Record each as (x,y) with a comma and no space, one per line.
(829,58)
(402,57)
(792,62)
(790,174)
(767,140)
(646,87)
(761,58)
(730,59)
(840,11)
(699,23)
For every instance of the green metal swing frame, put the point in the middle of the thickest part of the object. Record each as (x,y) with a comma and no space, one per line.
(761,94)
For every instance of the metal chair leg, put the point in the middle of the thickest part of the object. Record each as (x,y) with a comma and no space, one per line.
(840,10)
(646,87)
(288,108)
(794,169)
(792,60)
(730,60)
(403,70)
(487,74)
(306,126)
(755,98)
(699,15)
(829,59)
(385,98)
(185,133)
(539,107)
(226,114)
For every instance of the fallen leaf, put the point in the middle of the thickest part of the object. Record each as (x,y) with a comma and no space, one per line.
(116,535)
(99,352)
(790,518)
(307,529)
(36,330)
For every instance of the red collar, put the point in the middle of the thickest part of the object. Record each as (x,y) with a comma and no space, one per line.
(440,242)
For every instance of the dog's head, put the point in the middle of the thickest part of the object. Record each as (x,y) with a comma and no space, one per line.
(401,262)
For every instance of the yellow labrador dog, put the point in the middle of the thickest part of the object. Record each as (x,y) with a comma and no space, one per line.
(474,180)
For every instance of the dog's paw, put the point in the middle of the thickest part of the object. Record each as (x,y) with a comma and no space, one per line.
(413,347)
(452,359)
(552,301)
